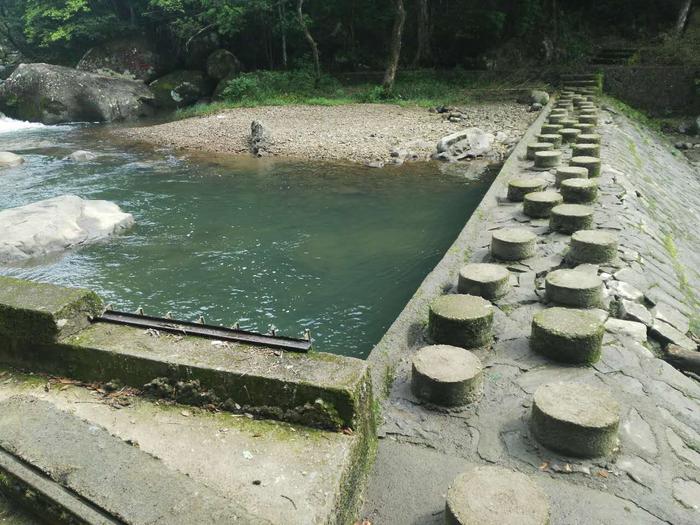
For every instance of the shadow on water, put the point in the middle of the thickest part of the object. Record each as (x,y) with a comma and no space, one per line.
(335,248)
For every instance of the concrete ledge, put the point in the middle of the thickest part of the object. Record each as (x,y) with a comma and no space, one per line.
(315,389)
(87,473)
(42,312)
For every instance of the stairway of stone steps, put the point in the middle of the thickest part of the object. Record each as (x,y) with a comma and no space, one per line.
(613,55)
(582,83)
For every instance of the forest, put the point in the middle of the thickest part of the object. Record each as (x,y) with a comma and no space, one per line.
(344,35)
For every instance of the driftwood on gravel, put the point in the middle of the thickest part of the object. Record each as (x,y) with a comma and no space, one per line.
(259,139)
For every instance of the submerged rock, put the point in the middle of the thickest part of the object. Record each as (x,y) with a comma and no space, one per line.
(10,160)
(81,156)
(55,94)
(54,225)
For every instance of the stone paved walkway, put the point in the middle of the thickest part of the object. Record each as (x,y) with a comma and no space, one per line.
(650,197)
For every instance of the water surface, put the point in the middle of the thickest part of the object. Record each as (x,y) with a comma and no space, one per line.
(335,248)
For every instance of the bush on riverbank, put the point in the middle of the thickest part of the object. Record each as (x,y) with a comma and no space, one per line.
(424,88)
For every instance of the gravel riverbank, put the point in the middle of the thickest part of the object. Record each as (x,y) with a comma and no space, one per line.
(356,132)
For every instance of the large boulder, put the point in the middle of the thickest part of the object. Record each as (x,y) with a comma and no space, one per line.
(9,160)
(180,88)
(466,144)
(221,64)
(134,58)
(55,94)
(54,225)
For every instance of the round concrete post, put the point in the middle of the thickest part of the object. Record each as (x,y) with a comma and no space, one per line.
(491,495)
(534,147)
(513,244)
(584,128)
(547,159)
(592,164)
(576,419)
(567,335)
(518,188)
(588,119)
(569,134)
(553,138)
(460,320)
(588,138)
(592,246)
(569,218)
(569,172)
(574,288)
(446,375)
(548,129)
(579,191)
(585,150)
(539,204)
(555,119)
(489,281)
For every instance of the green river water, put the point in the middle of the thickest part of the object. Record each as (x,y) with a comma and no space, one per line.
(335,248)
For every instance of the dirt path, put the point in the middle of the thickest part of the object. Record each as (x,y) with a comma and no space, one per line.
(356,132)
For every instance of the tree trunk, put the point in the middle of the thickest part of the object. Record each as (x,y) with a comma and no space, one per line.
(423,51)
(395,46)
(683,16)
(310,40)
(283,29)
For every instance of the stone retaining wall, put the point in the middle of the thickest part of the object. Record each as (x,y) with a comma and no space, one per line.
(660,90)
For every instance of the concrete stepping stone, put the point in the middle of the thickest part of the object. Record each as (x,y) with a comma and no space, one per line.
(588,111)
(560,110)
(579,191)
(567,335)
(446,375)
(592,164)
(575,419)
(553,138)
(534,147)
(588,119)
(574,288)
(585,150)
(540,203)
(460,320)
(592,246)
(555,119)
(491,495)
(547,159)
(513,244)
(569,172)
(569,122)
(585,128)
(490,281)
(518,188)
(588,138)
(569,218)
(548,129)
(569,134)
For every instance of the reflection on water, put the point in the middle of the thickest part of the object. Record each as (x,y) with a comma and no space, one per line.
(334,248)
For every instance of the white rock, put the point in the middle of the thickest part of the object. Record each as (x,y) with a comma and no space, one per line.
(470,141)
(9,160)
(53,225)
(626,291)
(81,156)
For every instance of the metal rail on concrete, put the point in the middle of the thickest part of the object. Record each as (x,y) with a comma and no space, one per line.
(203,330)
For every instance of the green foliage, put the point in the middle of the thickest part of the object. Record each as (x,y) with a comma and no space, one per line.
(290,85)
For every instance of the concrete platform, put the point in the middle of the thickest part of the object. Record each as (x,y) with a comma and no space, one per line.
(267,471)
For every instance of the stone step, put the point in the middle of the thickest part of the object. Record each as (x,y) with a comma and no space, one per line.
(84,473)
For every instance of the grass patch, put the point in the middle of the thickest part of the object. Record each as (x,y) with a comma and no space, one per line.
(413,88)
(635,114)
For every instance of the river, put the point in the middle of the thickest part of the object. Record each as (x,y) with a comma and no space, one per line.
(334,248)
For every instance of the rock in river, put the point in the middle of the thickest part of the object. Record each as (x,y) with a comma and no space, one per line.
(9,160)
(55,94)
(54,225)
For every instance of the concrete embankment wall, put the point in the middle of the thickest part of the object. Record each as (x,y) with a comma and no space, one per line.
(649,196)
